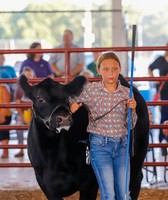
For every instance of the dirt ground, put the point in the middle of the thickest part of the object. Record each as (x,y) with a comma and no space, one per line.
(146,194)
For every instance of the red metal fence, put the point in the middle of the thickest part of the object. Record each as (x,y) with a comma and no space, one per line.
(67,79)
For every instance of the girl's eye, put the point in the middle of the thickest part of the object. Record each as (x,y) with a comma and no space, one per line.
(106,69)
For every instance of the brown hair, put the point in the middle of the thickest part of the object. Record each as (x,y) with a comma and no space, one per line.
(68,31)
(105,56)
(33,46)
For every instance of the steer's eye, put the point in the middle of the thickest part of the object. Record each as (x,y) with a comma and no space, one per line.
(40,99)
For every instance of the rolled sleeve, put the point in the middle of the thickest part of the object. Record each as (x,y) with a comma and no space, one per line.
(80,58)
(53,58)
(134,120)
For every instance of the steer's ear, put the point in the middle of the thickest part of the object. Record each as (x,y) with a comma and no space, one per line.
(123,81)
(27,89)
(74,88)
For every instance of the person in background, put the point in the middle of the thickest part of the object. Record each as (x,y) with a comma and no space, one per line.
(7,72)
(108,135)
(35,61)
(87,73)
(92,66)
(161,63)
(24,114)
(5,117)
(57,60)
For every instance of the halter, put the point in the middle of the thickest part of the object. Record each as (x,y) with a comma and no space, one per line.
(47,120)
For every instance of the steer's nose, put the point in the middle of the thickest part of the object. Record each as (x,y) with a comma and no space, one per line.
(59,119)
(63,120)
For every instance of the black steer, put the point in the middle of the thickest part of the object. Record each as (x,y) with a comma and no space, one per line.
(55,137)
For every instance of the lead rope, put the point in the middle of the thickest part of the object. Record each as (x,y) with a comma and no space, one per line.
(97,118)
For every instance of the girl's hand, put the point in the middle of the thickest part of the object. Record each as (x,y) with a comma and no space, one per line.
(74,107)
(132,103)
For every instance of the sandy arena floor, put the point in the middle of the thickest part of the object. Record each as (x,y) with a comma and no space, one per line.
(146,194)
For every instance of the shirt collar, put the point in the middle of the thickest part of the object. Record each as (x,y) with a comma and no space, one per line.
(102,87)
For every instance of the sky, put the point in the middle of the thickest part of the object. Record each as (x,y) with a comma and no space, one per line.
(145,5)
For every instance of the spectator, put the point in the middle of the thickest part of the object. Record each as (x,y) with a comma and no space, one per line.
(57,60)
(161,63)
(24,115)
(5,117)
(7,72)
(87,73)
(35,61)
(92,65)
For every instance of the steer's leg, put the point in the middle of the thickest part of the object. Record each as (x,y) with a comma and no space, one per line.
(136,178)
(135,188)
(45,190)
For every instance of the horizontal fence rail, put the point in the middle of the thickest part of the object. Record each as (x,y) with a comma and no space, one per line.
(73,50)
(25,127)
(146,164)
(24,146)
(15,165)
(28,105)
(37,80)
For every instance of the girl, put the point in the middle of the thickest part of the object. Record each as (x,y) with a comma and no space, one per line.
(108,130)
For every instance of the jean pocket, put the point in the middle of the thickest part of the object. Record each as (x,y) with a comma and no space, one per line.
(95,140)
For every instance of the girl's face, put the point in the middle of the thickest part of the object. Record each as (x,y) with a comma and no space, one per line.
(109,70)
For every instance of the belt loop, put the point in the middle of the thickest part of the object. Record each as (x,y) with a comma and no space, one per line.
(106,140)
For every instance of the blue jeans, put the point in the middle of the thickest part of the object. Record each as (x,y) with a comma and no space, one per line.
(108,159)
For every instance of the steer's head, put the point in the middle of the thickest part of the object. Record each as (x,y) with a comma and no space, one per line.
(51,101)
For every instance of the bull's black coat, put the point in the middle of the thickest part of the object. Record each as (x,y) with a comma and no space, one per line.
(58,157)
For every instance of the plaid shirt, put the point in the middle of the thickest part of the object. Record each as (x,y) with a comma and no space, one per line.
(99,102)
